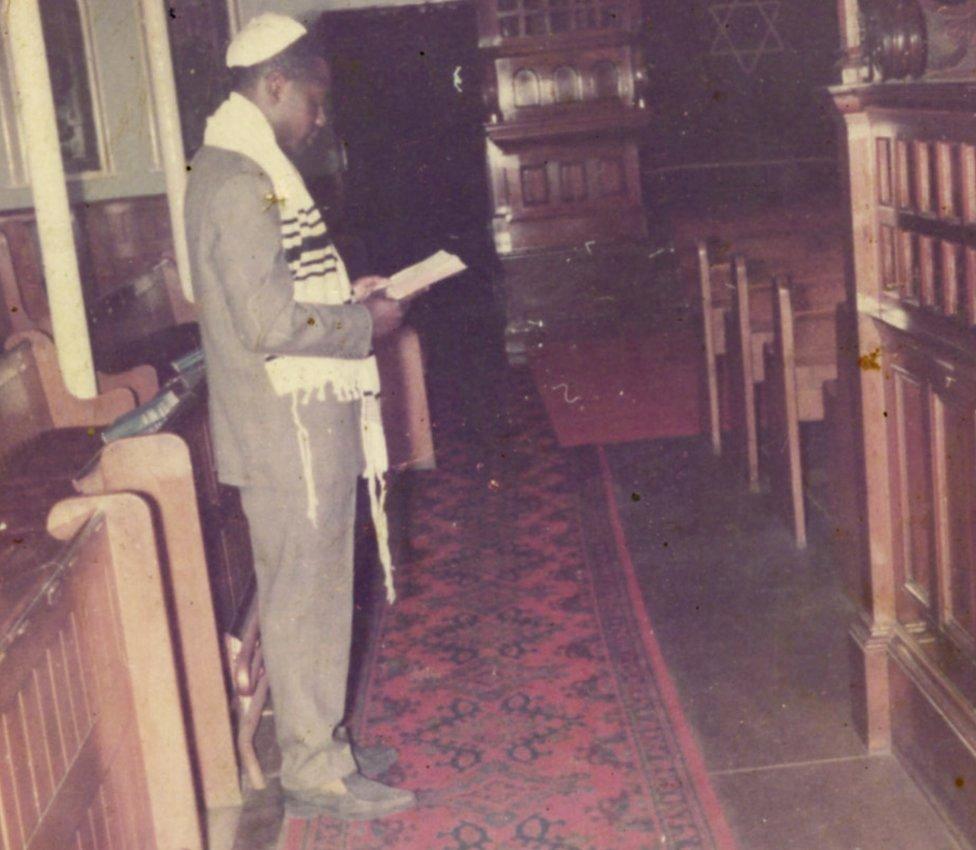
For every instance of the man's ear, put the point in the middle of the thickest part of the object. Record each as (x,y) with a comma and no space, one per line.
(274,82)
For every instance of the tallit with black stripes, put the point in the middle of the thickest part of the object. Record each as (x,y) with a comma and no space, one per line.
(318,277)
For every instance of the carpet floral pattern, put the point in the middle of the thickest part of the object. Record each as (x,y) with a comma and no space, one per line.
(511,676)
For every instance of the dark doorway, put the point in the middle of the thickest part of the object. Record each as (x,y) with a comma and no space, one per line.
(408,116)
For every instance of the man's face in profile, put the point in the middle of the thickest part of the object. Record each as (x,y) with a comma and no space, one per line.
(301,108)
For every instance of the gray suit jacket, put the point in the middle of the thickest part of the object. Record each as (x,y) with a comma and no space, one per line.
(243,290)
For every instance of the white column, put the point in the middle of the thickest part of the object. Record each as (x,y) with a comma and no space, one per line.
(35,108)
(168,129)
(233,17)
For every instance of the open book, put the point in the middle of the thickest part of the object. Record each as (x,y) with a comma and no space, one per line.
(418,277)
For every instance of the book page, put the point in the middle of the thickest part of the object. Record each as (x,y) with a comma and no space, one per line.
(418,277)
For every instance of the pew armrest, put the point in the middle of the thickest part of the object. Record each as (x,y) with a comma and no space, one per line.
(141,380)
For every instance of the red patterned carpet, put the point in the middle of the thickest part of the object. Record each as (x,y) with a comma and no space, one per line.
(519,678)
(619,389)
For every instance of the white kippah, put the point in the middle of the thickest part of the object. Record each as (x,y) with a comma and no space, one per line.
(264,36)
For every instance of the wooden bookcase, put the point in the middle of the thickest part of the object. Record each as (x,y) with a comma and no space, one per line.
(564,93)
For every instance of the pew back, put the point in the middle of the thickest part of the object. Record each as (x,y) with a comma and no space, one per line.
(24,411)
(88,694)
(741,375)
(33,398)
(781,448)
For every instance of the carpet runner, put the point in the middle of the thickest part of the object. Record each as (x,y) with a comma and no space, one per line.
(519,678)
(620,389)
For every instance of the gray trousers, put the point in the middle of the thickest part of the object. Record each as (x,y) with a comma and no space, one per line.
(305,601)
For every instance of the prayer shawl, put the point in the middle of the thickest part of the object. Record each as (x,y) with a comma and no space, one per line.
(319,277)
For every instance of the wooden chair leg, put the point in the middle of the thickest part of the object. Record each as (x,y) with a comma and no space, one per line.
(249,682)
(251,710)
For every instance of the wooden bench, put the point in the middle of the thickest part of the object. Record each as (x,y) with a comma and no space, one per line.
(158,467)
(42,458)
(801,359)
(720,298)
(144,320)
(749,327)
(93,753)
(744,321)
(26,307)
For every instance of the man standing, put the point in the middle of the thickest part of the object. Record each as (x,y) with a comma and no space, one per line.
(293,398)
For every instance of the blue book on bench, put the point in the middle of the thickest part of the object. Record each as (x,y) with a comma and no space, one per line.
(145,419)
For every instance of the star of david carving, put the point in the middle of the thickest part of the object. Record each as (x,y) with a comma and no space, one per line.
(746,30)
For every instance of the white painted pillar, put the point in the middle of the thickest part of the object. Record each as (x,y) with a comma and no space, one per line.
(35,108)
(233,17)
(168,129)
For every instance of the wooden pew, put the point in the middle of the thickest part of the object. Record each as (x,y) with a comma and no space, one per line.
(26,308)
(158,467)
(800,360)
(745,319)
(719,298)
(43,452)
(33,352)
(93,754)
(145,320)
(28,448)
(715,284)
(749,328)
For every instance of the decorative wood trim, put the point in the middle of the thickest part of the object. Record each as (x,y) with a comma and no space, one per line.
(870,643)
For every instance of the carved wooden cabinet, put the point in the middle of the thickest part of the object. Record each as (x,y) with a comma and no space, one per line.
(565,105)
(912,172)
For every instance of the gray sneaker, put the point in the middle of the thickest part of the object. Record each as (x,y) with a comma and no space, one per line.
(365,799)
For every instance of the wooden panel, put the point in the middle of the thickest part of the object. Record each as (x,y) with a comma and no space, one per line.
(534,182)
(563,79)
(911,435)
(536,23)
(946,180)
(73,728)
(572,182)
(929,237)
(957,494)
(888,261)
(933,736)
(884,171)
(921,165)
